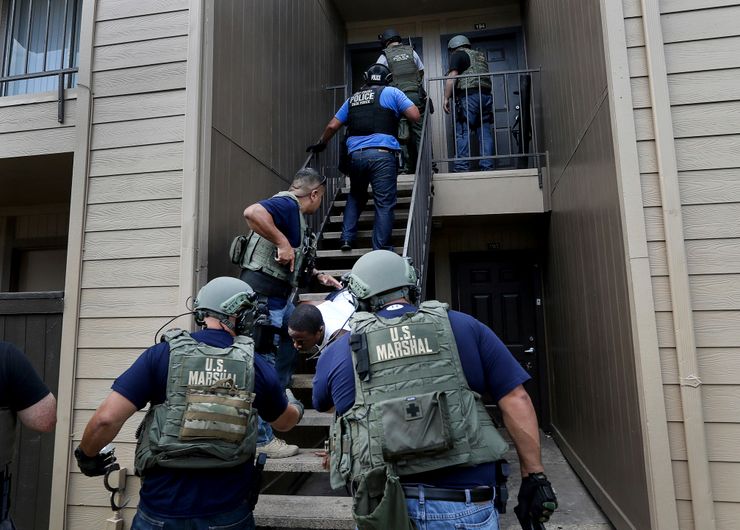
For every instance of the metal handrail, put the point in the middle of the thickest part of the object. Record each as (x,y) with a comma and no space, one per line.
(328,165)
(47,73)
(419,226)
(515,142)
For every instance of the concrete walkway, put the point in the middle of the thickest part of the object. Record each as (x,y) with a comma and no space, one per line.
(576,511)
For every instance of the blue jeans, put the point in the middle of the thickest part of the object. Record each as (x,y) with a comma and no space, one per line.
(379,169)
(445,515)
(469,111)
(239,519)
(284,361)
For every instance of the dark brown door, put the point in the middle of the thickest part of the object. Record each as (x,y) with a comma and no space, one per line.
(33,322)
(502,291)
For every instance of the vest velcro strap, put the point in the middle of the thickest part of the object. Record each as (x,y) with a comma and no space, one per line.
(189,433)
(244,402)
(392,379)
(233,419)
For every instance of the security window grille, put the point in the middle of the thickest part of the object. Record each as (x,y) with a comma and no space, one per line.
(38,36)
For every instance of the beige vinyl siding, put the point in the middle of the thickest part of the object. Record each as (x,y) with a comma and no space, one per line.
(271,64)
(702,53)
(596,414)
(130,280)
(29,125)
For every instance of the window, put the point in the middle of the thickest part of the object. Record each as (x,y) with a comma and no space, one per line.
(38,36)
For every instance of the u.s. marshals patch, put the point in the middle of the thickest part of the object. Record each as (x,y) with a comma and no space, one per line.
(402,341)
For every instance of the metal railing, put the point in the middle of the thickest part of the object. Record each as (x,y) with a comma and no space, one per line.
(60,85)
(327,163)
(419,226)
(507,111)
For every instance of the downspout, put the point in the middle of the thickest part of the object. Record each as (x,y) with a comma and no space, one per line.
(683,322)
(73,276)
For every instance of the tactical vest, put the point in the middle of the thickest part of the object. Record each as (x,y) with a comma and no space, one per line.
(207,419)
(8,422)
(478,65)
(413,406)
(406,76)
(367,117)
(259,253)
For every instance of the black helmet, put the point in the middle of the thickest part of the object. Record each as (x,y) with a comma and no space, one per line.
(388,36)
(377,74)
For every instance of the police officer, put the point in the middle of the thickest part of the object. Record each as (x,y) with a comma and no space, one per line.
(371,115)
(408,73)
(196,444)
(277,256)
(22,396)
(406,385)
(473,101)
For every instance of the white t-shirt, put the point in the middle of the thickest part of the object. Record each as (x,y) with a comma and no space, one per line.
(336,314)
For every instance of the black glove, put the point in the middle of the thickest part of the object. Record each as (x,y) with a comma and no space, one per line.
(316,148)
(536,500)
(95,466)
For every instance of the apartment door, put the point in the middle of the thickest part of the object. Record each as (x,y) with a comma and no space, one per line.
(502,290)
(33,322)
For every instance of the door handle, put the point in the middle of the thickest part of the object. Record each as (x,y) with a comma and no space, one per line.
(529,350)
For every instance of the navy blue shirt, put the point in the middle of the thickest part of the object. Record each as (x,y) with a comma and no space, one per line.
(488,365)
(287,217)
(20,385)
(191,493)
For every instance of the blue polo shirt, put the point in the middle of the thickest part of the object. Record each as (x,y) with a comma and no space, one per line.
(287,217)
(188,493)
(488,365)
(390,98)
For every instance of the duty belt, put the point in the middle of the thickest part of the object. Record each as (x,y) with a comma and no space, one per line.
(384,149)
(444,494)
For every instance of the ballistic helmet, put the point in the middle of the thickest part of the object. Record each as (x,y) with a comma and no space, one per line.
(457,41)
(381,276)
(388,36)
(377,74)
(226,297)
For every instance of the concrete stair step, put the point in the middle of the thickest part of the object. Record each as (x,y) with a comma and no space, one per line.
(354,253)
(396,232)
(337,273)
(314,418)
(370,216)
(304,462)
(402,186)
(303,511)
(371,202)
(302,381)
(312,297)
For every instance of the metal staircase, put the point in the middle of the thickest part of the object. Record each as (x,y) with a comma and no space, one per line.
(296,491)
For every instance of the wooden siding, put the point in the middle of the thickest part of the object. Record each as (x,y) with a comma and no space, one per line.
(596,415)
(702,52)
(29,125)
(269,102)
(130,277)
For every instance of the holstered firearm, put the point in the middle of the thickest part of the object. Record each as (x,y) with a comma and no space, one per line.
(259,466)
(502,490)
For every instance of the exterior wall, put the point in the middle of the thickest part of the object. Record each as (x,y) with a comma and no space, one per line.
(133,224)
(505,14)
(29,126)
(269,102)
(687,146)
(596,416)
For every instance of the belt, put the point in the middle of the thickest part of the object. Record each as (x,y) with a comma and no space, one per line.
(384,149)
(443,494)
